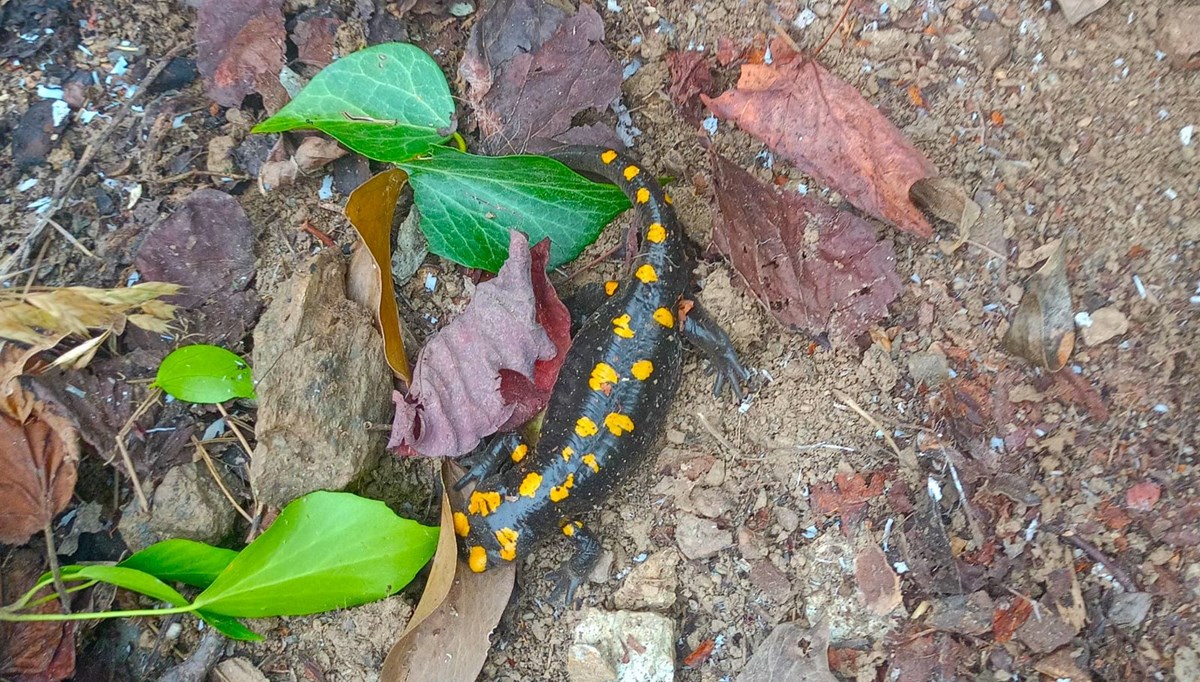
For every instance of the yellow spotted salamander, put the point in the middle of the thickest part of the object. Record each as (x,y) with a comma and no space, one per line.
(613,392)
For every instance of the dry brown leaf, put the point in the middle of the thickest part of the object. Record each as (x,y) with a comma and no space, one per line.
(370,210)
(239,47)
(823,125)
(316,151)
(41,651)
(1043,327)
(447,638)
(947,200)
(878,584)
(791,653)
(38,460)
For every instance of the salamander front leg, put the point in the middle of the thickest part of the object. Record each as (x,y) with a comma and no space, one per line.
(575,570)
(495,455)
(707,336)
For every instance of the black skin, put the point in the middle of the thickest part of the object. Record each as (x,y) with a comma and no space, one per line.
(613,392)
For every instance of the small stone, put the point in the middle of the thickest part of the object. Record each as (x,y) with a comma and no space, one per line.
(187,504)
(994,47)
(964,614)
(220,154)
(710,503)
(930,369)
(1107,323)
(751,544)
(1076,10)
(886,43)
(675,436)
(602,569)
(1129,609)
(700,538)
(622,646)
(238,670)
(788,519)
(651,585)
(774,584)
(1047,633)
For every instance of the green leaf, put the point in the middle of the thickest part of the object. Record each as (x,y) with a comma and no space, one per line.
(469,203)
(133,580)
(230,627)
(325,551)
(205,374)
(389,102)
(183,561)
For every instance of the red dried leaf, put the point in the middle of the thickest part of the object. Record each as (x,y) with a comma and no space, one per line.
(314,37)
(1143,496)
(1005,621)
(848,494)
(42,651)
(521,91)
(455,398)
(38,460)
(700,654)
(690,78)
(530,397)
(823,125)
(239,45)
(816,268)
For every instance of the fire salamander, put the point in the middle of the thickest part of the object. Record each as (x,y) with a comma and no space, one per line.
(613,392)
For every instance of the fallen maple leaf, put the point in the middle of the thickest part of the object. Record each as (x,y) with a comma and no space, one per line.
(456,398)
(823,125)
(530,71)
(815,268)
(39,455)
(239,48)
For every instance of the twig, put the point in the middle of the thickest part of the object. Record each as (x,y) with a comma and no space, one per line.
(716,435)
(55,569)
(200,663)
(125,429)
(212,469)
(64,184)
(71,238)
(870,420)
(1096,555)
(833,31)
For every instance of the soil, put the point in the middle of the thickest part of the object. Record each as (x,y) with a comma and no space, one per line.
(1059,130)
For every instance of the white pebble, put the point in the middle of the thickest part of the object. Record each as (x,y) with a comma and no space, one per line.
(1185,134)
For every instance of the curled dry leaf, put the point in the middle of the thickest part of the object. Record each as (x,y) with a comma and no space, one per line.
(447,637)
(947,200)
(529,78)
(39,454)
(823,125)
(371,209)
(1043,328)
(791,653)
(816,269)
(456,396)
(239,48)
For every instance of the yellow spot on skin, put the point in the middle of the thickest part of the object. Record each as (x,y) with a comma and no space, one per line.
(642,369)
(529,487)
(602,376)
(664,317)
(519,452)
(610,287)
(586,427)
(667,198)
(656,233)
(643,195)
(478,559)
(618,423)
(461,525)
(631,172)
(508,553)
(507,537)
(484,503)
(647,274)
(608,156)
(621,326)
(566,453)
(560,492)
(569,529)
(590,460)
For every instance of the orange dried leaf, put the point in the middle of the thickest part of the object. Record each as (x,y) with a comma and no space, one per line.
(1005,621)
(370,210)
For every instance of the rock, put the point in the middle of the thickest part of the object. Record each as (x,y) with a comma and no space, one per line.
(886,43)
(964,614)
(751,544)
(1129,609)
(788,519)
(1187,663)
(651,585)
(1179,36)
(1076,10)
(237,670)
(331,383)
(1045,633)
(710,503)
(700,538)
(187,504)
(1106,323)
(622,646)
(220,154)
(994,47)
(1060,665)
(774,584)
(928,368)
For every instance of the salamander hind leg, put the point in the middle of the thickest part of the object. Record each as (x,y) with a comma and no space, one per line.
(702,332)
(574,571)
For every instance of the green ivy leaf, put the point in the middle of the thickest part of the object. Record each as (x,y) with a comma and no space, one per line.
(205,374)
(469,203)
(130,579)
(183,561)
(325,551)
(229,627)
(389,102)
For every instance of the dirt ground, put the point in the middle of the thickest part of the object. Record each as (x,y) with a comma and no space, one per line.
(1059,130)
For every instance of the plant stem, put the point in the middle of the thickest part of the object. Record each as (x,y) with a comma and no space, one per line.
(55,570)
(135,613)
